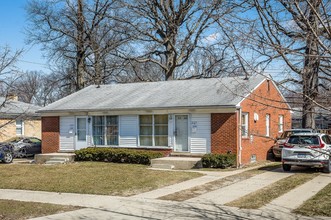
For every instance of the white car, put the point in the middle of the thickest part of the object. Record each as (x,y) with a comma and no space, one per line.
(307,149)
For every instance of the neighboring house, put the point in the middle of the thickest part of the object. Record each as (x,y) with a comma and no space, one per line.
(18,119)
(192,116)
(322,118)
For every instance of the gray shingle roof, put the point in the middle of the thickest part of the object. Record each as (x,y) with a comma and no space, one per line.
(158,95)
(13,109)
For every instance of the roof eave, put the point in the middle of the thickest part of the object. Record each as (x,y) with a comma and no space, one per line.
(136,109)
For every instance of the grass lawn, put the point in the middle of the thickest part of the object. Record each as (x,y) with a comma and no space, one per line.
(89,177)
(10,209)
(214,185)
(265,195)
(318,205)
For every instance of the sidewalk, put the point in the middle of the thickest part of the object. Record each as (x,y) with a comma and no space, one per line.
(111,207)
(145,206)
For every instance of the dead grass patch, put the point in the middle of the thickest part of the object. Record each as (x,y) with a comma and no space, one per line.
(217,184)
(89,178)
(320,204)
(10,209)
(263,196)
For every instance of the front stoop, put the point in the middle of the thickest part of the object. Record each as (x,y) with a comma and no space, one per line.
(54,158)
(178,163)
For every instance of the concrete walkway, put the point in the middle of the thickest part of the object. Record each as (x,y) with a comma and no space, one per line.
(206,206)
(242,188)
(297,196)
(209,177)
(111,207)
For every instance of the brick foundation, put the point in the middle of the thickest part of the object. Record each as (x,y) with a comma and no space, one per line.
(50,134)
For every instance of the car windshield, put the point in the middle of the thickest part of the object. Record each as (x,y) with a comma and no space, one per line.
(306,140)
(13,140)
(286,134)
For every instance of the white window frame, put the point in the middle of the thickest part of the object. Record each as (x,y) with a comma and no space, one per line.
(104,135)
(244,126)
(267,125)
(153,125)
(20,125)
(280,123)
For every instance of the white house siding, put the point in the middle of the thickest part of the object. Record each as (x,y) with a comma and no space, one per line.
(128,131)
(67,133)
(200,133)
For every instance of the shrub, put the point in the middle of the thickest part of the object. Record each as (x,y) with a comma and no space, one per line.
(218,160)
(116,155)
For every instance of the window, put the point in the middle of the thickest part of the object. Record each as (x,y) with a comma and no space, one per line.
(161,130)
(146,130)
(244,124)
(267,125)
(112,130)
(153,130)
(326,139)
(280,123)
(19,127)
(105,130)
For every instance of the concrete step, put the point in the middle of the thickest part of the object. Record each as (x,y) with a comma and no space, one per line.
(57,160)
(163,166)
(178,163)
(55,157)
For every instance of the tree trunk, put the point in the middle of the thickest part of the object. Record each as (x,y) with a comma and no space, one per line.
(311,69)
(80,54)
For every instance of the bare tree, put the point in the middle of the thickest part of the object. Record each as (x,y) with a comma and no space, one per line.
(296,35)
(76,34)
(8,73)
(166,33)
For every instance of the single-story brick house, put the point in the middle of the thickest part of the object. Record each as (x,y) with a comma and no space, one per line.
(18,119)
(197,116)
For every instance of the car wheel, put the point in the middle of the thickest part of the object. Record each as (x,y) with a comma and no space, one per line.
(327,167)
(23,153)
(8,157)
(286,167)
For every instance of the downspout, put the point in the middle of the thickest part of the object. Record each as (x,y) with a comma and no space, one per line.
(240,137)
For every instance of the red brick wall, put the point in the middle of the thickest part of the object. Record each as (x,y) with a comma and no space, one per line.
(224,133)
(273,105)
(50,134)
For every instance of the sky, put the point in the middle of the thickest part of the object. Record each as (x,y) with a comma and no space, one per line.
(12,23)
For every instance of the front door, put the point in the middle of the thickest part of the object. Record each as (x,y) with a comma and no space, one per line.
(81,132)
(181,133)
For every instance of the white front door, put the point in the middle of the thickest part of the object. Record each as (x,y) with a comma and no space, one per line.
(181,133)
(81,132)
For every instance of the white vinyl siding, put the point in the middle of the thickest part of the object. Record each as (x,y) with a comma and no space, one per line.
(128,131)
(200,133)
(67,133)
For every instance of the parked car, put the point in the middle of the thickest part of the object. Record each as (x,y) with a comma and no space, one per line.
(25,146)
(307,149)
(6,153)
(279,143)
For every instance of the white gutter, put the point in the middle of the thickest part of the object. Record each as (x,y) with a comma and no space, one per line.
(240,137)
